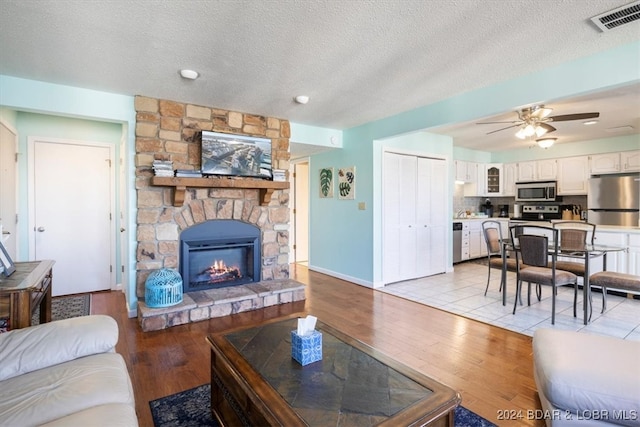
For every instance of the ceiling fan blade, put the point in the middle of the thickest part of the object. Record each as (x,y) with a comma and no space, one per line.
(498,130)
(547,127)
(506,121)
(578,116)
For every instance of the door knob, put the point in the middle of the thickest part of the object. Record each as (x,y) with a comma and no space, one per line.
(122,230)
(41,229)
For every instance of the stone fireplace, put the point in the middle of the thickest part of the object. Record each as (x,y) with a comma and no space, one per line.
(171,210)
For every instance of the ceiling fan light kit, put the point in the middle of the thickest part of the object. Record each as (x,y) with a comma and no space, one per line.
(546,142)
(535,121)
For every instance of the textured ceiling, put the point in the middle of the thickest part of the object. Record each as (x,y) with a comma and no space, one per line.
(358,61)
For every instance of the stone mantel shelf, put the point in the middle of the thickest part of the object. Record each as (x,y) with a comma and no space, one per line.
(266,187)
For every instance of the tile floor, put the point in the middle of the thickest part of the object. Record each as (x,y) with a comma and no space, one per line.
(462,292)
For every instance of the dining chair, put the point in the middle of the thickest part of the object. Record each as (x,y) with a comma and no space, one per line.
(493,238)
(534,245)
(574,235)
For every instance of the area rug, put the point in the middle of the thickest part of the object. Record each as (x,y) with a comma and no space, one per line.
(192,408)
(66,307)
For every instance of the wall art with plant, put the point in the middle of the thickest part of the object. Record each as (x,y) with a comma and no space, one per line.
(347,183)
(326,182)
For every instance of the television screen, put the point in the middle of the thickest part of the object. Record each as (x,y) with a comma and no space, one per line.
(236,155)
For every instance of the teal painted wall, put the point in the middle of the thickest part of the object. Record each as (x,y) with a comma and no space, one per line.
(345,241)
(104,112)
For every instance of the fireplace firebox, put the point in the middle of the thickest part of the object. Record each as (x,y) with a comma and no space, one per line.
(219,253)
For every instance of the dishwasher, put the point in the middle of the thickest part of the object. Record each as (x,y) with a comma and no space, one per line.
(457,242)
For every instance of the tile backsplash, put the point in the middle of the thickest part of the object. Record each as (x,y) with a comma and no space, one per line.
(473,204)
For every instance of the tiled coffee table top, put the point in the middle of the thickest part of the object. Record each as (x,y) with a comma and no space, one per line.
(347,387)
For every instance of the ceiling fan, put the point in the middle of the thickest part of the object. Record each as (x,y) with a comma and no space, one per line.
(535,121)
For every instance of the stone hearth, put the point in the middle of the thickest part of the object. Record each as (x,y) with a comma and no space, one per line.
(212,303)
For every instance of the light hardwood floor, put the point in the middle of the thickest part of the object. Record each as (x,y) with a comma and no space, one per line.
(490,367)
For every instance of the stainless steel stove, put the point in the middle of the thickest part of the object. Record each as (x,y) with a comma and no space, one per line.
(539,213)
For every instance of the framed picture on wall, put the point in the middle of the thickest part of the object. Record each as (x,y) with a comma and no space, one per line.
(7,263)
(326,183)
(347,183)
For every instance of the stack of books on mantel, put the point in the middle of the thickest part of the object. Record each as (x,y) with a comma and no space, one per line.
(163,167)
(279,175)
(188,173)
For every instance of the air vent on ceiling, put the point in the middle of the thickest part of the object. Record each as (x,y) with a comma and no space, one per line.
(617,17)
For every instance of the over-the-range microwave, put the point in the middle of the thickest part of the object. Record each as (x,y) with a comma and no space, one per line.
(536,191)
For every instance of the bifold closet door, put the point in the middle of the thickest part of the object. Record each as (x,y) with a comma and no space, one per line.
(413,218)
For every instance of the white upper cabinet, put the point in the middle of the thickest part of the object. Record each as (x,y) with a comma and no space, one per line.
(538,170)
(573,175)
(494,179)
(626,161)
(630,161)
(527,171)
(547,170)
(466,171)
(510,173)
(605,163)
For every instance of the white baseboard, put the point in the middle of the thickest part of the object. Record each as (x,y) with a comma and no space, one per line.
(342,276)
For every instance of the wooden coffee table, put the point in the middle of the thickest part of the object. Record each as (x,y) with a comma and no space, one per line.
(255,381)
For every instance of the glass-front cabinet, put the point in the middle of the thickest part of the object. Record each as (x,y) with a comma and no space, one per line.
(494,179)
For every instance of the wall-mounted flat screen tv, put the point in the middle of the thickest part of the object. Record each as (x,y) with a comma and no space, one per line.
(236,155)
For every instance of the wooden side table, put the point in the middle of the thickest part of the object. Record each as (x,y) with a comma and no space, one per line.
(27,288)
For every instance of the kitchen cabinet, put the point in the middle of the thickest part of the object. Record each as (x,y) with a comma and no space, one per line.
(630,161)
(526,171)
(547,170)
(628,261)
(466,171)
(494,179)
(415,217)
(476,186)
(625,161)
(465,241)
(477,245)
(538,170)
(605,163)
(473,243)
(510,174)
(616,261)
(573,175)
(634,254)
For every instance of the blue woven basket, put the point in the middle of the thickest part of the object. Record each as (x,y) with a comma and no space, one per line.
(163,288)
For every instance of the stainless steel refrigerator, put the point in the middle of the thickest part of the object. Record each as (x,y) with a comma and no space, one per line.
(614,200)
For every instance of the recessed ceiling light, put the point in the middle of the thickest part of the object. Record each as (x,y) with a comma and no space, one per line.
(590,122)
(301,99)
(189,74)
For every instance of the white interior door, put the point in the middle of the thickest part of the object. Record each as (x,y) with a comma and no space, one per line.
(301,212)
(8,188)
(399,215)
(72,205)
(414,217)
(433,190)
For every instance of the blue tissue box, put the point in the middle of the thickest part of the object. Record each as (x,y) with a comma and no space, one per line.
(306,349)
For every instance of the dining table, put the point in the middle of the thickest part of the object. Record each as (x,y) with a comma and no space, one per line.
(586,252)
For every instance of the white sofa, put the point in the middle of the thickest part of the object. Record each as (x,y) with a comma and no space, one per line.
(586,380)
(65,373)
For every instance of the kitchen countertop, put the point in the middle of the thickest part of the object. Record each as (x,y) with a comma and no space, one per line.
(480,218)
(606,228)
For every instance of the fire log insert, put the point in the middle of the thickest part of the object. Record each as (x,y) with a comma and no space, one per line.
(219,253)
